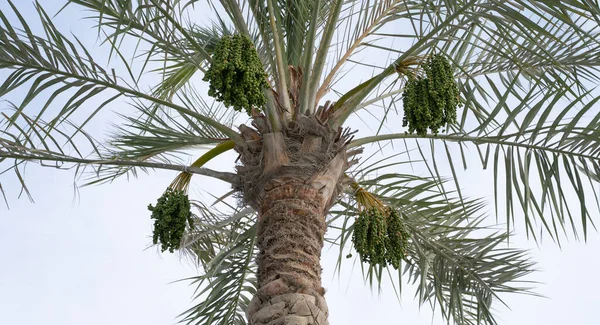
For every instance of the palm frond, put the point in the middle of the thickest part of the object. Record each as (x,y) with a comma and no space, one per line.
(553,46)
(154,132)
(224,246)
(55,60)
(35,143)
(281,64)
(538,145)
(154,22)
(59,69)
(456,263)
(67,148)
(48,63)
(322,51)
(360,23)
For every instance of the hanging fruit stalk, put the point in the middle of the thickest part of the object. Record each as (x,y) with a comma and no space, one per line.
(172,213)
(379,236)
(236,76)
(431,101)
(397,236)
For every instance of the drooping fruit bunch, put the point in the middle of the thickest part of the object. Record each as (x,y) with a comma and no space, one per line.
(236,75)
(370,236)
(430,101)
(172,213)
(397,239)
(380,237)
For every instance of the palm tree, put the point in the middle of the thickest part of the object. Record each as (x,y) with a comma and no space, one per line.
(281,74)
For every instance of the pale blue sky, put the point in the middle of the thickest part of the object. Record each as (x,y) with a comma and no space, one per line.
(69,260)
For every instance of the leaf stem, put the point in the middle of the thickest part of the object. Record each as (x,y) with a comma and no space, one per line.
(224,176)
(281,66)
(463,138)
(182,181)
(322,54)
(353,98)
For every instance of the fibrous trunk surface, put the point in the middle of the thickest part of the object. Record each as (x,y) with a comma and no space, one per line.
(291,228)
(291,178)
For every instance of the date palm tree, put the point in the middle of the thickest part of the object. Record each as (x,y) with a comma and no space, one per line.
(311,109)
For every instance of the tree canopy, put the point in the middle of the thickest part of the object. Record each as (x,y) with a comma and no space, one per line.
(525,75)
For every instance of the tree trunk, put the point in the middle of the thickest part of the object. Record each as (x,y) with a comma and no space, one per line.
(291,178)
(291,229)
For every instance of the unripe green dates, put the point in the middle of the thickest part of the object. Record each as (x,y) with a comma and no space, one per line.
(236,76)
(397,239)
(380,237)
(172,213)
(430,101)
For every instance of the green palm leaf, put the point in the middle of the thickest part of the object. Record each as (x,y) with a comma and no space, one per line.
(224,246)
(457,263)
(538,151)
(526,73)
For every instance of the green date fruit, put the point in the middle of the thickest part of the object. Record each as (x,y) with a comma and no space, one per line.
(380,237)
(236,76)
(172,213)
(431,101)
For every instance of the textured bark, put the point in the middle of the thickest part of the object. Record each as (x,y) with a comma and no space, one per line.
(291,178)
(290,309)
(291,230)
(311,144)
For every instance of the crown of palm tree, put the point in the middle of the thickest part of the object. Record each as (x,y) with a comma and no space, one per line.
(525,70)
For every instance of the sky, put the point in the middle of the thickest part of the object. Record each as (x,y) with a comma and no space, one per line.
(71,259)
